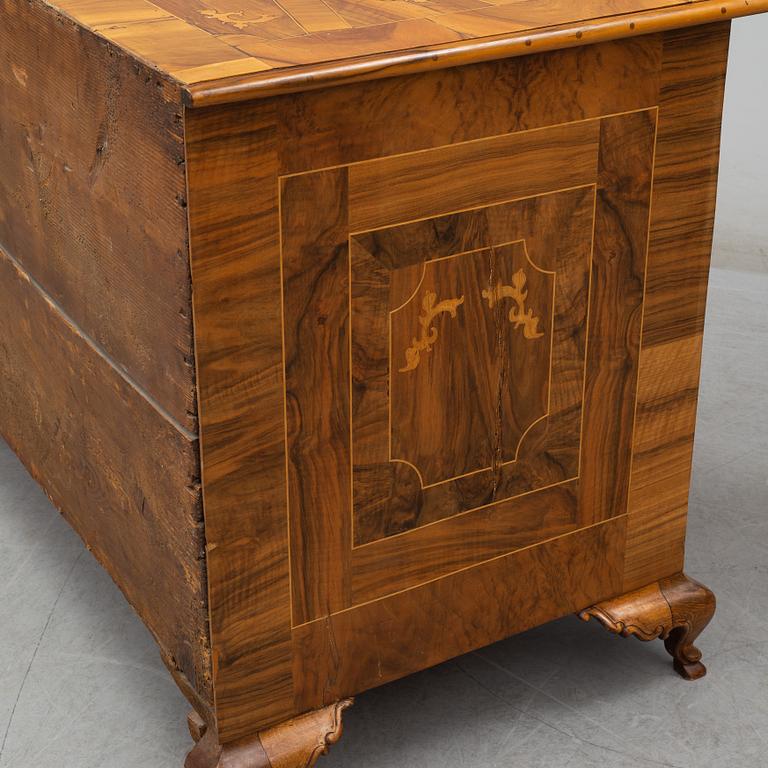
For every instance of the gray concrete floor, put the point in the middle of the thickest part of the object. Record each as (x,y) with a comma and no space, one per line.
(82,686)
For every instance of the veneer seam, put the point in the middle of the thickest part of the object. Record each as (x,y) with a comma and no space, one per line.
(98,349)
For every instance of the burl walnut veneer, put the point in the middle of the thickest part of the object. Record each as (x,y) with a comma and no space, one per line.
(352,336)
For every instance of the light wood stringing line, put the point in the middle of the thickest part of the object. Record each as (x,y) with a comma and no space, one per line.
(465,210)
(465,567)
(589,314)
(389,226)
(395,155)
(285,397)
(642,313)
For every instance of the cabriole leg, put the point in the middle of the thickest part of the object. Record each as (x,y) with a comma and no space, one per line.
(297,743)
(675,609)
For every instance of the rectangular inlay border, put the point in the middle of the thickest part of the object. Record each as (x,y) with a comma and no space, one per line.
(328,600)
(520,219)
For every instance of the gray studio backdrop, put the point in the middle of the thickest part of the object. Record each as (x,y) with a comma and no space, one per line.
(741,232)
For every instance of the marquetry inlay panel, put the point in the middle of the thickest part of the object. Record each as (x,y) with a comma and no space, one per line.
(482,418)
(463,344)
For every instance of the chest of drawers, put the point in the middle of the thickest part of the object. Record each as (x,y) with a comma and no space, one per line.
(355,336)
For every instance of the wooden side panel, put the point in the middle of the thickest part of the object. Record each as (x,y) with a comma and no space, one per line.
(693,79)
(666,417)
(124,477)
(372,644)
(515,375)
(92,195)
(431,552)
(471,427)
(309,225)
(234,230)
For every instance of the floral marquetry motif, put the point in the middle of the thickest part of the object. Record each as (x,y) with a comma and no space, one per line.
(430,464)
(481,364)
(237,19)
(518,315)
(428,331)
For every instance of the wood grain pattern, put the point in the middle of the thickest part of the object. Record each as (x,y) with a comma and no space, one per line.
(171,44)
(234,230)
(436,550)
(88,213)
(354,650)
(298,45)
(685,181)
(133,494)
(522,402)
(261,19)
(345,43)
(663,454)
(315,288)
(355,123)
(315,321)
(377,273)
(691,102)
(314,16)
(627,147)
(326,71)
(390,191)
(501,378)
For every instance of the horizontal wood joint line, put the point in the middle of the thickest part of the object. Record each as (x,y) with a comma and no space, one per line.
(97,348)
(261,83)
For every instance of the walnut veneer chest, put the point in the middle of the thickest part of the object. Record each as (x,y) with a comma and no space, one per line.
(352,336)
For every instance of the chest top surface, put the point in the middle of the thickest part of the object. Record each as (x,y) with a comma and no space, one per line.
(224,50)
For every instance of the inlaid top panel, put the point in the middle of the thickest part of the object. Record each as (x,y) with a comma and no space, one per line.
(248,48)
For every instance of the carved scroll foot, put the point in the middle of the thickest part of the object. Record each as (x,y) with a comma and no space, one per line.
(675,609)
(297,743)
